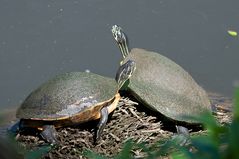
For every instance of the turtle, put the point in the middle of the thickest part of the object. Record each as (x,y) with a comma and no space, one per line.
(161,84)
(72,98)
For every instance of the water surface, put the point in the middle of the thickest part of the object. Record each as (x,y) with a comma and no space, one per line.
(39,39)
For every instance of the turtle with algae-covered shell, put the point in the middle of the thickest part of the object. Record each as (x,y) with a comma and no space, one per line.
(161,84)
(72,98)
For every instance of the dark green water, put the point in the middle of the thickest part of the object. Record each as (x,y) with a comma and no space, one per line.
(39,39)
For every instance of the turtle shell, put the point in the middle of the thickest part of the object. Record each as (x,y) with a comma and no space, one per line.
(165,87)
(75,96)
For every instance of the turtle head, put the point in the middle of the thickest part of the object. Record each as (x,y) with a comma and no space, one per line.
(124,72)
(121,39)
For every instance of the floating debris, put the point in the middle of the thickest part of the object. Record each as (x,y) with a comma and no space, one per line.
(87,71)
(232,33)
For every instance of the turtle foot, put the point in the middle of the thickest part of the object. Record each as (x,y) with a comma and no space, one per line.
(49,134)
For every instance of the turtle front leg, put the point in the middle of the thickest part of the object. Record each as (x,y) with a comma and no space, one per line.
(102,123)
(15,128)
(182,136)
(49,134)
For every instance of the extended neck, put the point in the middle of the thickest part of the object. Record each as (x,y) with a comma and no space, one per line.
(121,40)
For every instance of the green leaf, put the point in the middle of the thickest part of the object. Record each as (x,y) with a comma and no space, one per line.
(90,154)
(10,149)
(126,151)
(177,155)
(38,153)
(232,33)
(236,105)
(233,137)
(206,147)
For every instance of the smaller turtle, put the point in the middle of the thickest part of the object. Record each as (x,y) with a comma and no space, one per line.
(72,98)
(161,84)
